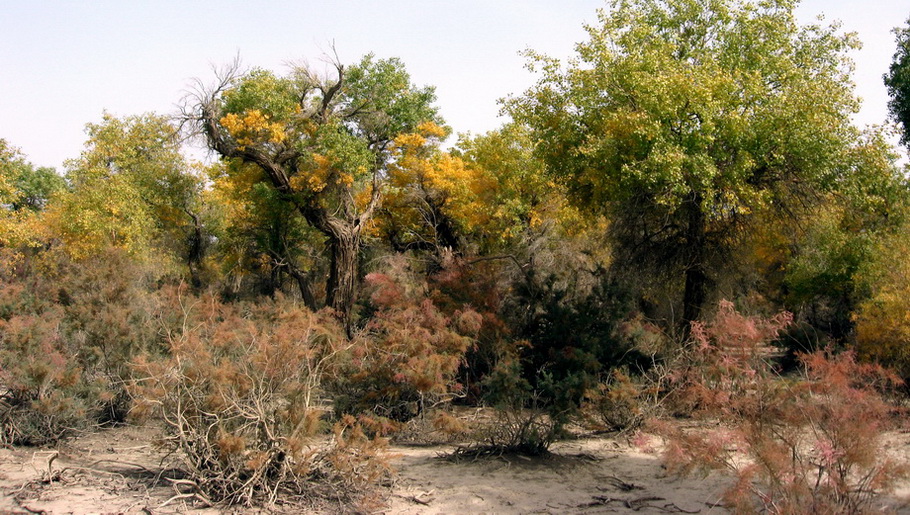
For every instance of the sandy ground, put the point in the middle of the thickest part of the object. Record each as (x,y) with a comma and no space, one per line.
(582,476)
(118,471)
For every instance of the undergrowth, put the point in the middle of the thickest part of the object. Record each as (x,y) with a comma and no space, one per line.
(809,443)
(240,394)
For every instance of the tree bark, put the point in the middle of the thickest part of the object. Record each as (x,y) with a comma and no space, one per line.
(195,250)
(341,287)
(695,293)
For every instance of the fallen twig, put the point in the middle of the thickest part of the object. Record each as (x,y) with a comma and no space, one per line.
(196,494)
(636,504)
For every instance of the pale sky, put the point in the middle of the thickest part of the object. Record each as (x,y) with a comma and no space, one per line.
(62,63)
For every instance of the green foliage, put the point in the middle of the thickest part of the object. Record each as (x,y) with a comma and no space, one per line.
(897,81)
(573,339)
(386,103)
(683,119)
(842,234)
(883,317)
(821,276)
(24,191)
(22,185)
(262,90)
(261,244)
(36,186)
(567,340)
(525,421)
(131,188)
(347,152)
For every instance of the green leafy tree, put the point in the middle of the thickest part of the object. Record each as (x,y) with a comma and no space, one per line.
(520,198)
(683,119)
(898,82)
(260,243)
(24,191)
(22,184)
(321,142)
(836,239)
(133,189)
(476,199)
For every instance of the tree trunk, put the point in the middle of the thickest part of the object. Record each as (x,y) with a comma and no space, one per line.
(305,286)
(195,250)
(695,293)
(696,285)
(342,284)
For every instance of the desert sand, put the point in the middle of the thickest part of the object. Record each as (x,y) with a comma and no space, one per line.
(119,471)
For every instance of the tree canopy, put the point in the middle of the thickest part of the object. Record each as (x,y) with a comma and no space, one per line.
(897,80)
(682,119)
(322,142)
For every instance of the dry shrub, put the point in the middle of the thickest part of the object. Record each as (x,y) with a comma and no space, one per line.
(407,357)
(240,395)
(807,444)
(525,431)
(67,331)
(619,403)
(108,313)
(434,427)
(44,396)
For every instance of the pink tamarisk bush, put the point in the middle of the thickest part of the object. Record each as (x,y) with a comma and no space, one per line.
(810,443)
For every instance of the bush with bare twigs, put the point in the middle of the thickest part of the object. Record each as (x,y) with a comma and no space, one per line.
(240,395)
(806,444)
(620,402)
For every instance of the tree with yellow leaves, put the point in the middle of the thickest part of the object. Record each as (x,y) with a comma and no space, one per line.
(24,190)
(323,144)
(131,188)
(482,197)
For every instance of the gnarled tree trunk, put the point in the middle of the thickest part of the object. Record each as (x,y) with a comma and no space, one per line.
(341,288)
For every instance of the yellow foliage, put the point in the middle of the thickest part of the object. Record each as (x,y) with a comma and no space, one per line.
(252,127)
(23,228)
(316,179)
(883,320)
(345,179)
(491,205)
(431,129)
(410,140)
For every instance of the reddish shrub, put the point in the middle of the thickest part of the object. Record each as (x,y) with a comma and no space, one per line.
(806,444)
(407,356)
(67,332)
(44,394)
